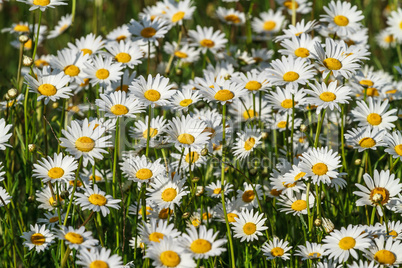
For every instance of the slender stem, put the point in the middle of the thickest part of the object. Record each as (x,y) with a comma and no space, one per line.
(319,125)
(344,164)
(20,65)
(116,149)
(149,57)
(149,129)
(37,35)
(309,214)
(73,192)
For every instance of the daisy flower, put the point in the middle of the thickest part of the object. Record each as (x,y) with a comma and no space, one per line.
(139,169)
(283,101)
(168,253)
(248,226)
(165,193)
(215,189)
(225,93)
(49,85)
(363,264)
(125,52)
(118,34)
(5,196)
(340,244)
(289,70)
(148,30)
(214,126)
(140,131)
(277,248)
(118,104)
(206,39)
(77,238)
(385,252)
(96,200)
(187,132)
(51,220)
(154,91)
(230,16)
(177,12)
(330,96)
(202,243)
(296,30)
(98,258)
(295,203)
(298,46)
(335,59)
(102,71)
(4,135)
(136,209)
(17,28)
(87,141)
(253,81)
(39,238)
(90,45)
(246,142)
(270,22)
(185,53)
(193,158)
(184,98)
(384,184)
(311,251)
(368,138)
(342,18)
(43,4)
(375,114)
(280,122)
(156,231)
(394,144)
(45,197)
(57,169)
(394,21)
(245,109)
(61,26)
(301,6)
(320,164)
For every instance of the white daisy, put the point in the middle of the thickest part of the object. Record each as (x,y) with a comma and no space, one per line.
(247,141)
(270,22)
(394,21)
(90,45)
(177,12)
(118,34)
(385,252)
(394,144)
(96,200)
(184,98)
(277,248)
(365,138)
(295,203)
(51,219)
(125,52)
(185,53)
(148,29)
(165,193)
(253,81)
(248,226)
(225,93)
(215,189)
(298,46)
(311,251)
(156,231)
(117,104)
(98,258)
(230,16)
(139,169)
(57,169)
(246,109)
(39,238)
(156,131)
(102,71)
(284,100)
(4,135)
(206,39)
(77,238)
(61,26)
(43,4)
(45,197)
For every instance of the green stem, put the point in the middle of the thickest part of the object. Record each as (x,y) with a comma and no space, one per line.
(148,130)
(116,149)
(73,192)
(319,125)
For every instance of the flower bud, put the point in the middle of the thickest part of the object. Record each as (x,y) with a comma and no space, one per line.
(195,179)
(199,191)
(27,61)
(204,152)
(12,93)
(303,128)
(23,38)
(31,148)
(185,215)
(55,105)
(358,162)
(317,222)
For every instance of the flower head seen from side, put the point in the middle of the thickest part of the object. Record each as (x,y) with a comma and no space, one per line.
(177,12)
(394,22)
(86,140)
(118,104)
(230,16)
(340,244)
(157,230)
(5,196)
(247,141)
(295,203)
(90,45)
(270,22)
(98,258)
(207,39)
(385,252)
(96,200)
(77,238)
(157,129)
(365,138)
(394,144)
(43,4)
(248,226)
(38,237)
(61,27)
(57,169)
(148,29)
(4,135)
(224,93)
(276,248)
(311,251)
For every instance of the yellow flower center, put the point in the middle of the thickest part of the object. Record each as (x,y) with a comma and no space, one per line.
(41,2)
(84,144)
(248,196)
(86,82)
(300,175)
(253,85)
(178,16)
(367,142)
(217,190)
(249,114)
(196,222)
(21,28)
(206,215)
(194,157)
(51,200)
(99,264)
(79,184)
(181,54)
(169,194)
(327,96)
(28,45)
(372,92)
(39,63)
(332,64)
(207,43)
(123,57)
(398,149)
(249,228)
(249,144)
(347,243)
(367,83)
(275,192)
(170,258)
(124,88)
(302,52)
(341,20)
(47,89)
(120,38)
(38,239)
(385,257)
(87,51)
(320,169)
(232,18)
(72,70)
(152,95)
(163,214)
(53,219)
(148,32)
(289,4)
(299,205)
(391,91)
(282,124)
(393,233)
(55,173)
(186,102)
(148,210)
(97,178)
(383,192)
(74,238)
(314,255)
(389,38)
(102,74)
(97,199)
(63,28)
(224,95)
(200,246)
(152,133)
(156,237)
(269,25)
(186,138)
(144,174)
(232,216)
(119,109)
(287,104)
(374,119)
(290,76)
(277,252)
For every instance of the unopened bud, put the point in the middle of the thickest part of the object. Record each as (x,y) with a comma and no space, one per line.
(303,128)
(27,61)
(328,225)
(185,215)
(31,148)
(199,191)
(204,152)
(12,93)
(195,179)
(54,204)
(264,135)
(23,38)
(317,222)
(358,162)
(377,198)
(55,105)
